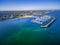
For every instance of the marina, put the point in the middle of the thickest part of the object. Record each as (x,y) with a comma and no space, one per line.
(39,16)
(44,19)
(47,25)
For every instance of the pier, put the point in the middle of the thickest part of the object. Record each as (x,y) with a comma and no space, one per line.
(41,20)
(47,25)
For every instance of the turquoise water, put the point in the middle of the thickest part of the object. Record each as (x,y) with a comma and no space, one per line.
(21,31)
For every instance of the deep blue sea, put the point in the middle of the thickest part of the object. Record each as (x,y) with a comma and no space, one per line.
(21,31)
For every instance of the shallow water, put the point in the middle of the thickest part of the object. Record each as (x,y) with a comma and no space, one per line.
(21,31)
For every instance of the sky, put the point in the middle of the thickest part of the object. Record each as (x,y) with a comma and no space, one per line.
(29,4)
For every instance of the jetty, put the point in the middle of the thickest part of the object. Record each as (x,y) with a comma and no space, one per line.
(41,20)
(47,25)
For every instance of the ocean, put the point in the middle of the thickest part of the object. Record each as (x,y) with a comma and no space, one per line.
(21,31)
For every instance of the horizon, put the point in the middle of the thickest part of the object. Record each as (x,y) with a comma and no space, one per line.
(29,10)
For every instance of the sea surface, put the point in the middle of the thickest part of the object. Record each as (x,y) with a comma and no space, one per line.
(21,31)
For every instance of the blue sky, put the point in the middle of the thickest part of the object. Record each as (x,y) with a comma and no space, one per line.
(29,4)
